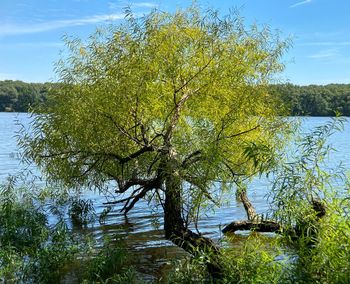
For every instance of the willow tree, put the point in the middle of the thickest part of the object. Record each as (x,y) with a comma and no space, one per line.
(169,106)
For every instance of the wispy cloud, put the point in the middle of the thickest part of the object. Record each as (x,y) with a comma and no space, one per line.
(31,45)
(325,43)
(300,3)
(325,54)
(145,5)
(120,4)
(15,29)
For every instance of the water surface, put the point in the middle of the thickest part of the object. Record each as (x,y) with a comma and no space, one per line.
(143,238)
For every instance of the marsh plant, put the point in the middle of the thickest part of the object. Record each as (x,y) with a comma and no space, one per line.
(311,201)
(81,211)
(37,245)
(31,251)
(112,264)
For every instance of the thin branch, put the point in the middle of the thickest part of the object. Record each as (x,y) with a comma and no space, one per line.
(121,129)
(90,167)
(187,161)
(194,76)
(142,194)
(238,134)
(124,199)
(124,186)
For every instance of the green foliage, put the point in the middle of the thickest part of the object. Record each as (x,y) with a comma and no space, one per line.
(51,261)
(257,260)
(313,248)
(81,211)
(188,271)
(34,251)
(182,95)
(20,96)
(303,175)
(327,261)
(314,100)
(320,241)
(31,250)
(111,265)
(22,224)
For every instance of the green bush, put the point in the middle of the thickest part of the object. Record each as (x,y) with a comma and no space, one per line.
(34,251)
(110,265)
(31,250)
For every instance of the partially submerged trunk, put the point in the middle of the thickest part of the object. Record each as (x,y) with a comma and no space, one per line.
(254,222)
(172,206)
(176,231)
(248,206)
(261,226)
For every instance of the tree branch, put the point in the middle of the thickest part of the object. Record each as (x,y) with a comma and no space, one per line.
(237,134)
(187,161)
(263,226)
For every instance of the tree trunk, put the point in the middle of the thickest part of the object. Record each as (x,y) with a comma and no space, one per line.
(181,236)
(172,207)
(254,223)
(248,206)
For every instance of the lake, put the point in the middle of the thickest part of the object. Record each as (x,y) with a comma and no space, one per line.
(142,237)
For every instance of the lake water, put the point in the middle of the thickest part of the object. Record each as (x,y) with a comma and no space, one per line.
(141,236)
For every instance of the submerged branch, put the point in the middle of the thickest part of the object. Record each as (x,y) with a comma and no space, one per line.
(262,226)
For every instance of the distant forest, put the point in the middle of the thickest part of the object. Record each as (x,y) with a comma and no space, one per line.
(312,100)
(315,100)
(19,96)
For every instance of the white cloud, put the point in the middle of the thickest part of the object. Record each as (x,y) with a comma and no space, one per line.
(120,4)
(144,5)
(325,54)
(8,29)
(300,3)
(32,45)
(325,43)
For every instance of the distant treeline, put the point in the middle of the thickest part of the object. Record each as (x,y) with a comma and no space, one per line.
(315,100)
(312,100)
(20,96)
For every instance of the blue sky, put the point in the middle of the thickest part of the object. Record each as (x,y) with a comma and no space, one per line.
(31,32)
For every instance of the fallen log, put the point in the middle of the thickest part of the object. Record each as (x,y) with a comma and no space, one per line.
(247,225)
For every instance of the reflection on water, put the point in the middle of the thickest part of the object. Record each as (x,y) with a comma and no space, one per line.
(151,251)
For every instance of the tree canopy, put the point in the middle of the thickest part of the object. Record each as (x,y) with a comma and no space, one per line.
(170,106)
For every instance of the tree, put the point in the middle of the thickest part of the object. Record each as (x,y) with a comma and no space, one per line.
(170,106)
(19,96)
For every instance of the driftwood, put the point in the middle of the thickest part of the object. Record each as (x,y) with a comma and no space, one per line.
(248,206)
(257,226)
(254,222)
